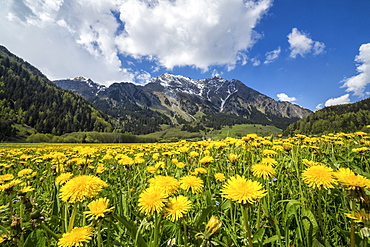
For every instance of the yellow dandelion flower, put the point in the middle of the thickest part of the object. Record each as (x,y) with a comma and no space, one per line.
(206,159)
(242,191)
(220,177)
(200,170)
(191,182)
(100,168)
(155,156)
(348,178)
(151,169)
(319,176)
(167,183)
(152,200)
(263,171)
(10,185)
(360,216)
(361,149)
(81,187)
(309,163)
(180,165)
(232,157)
(269,152)
(26,189)
(160,164)
(98,208)
(193,154)
(126,160)
(177,207)
(77,237)
(139,160)
(213,225)
(23,172)
(6,177)
(33,174)
(269,161)
(63,178)
(4,237)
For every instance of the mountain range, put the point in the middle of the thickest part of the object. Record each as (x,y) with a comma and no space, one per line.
(175,99)
(28,99)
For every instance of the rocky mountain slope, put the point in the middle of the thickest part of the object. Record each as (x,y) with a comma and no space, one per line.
(183,99)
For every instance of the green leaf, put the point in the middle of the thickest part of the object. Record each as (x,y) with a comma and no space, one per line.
(258,236)
(272,239)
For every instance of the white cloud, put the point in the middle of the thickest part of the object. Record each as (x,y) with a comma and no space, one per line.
(74,37)
(301,45)
(319,106)
(198,33)
(64,39)
(143,77)
(272,55)
(285,97)
(255,61)
(358,83)
(344,99)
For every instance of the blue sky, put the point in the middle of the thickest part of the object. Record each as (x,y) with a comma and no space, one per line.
(313,53)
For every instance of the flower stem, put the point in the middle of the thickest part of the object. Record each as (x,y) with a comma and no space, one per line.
(246,222)
(185,235)
(73,217)
(157,220)
(47,229)
(352,231)
(99,234)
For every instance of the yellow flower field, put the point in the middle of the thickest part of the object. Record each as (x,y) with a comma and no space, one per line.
(253,191)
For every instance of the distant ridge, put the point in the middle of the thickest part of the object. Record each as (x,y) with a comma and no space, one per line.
(333,119)
(28,98)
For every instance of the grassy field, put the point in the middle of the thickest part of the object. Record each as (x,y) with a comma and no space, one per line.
(248,191)
(236,131)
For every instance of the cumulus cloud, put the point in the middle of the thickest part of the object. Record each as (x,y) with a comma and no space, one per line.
(198,33)
(358,83)
(301,44)
(64,39)
(344,99)
(69,38)
(285,97)
(272,55)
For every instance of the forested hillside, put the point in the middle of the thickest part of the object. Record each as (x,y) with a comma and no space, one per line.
(339,118)
(28,98)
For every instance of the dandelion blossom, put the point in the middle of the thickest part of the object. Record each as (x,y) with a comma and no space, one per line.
(24,172)
(98,208)
(8,186)
(242,191)
(213,225)
(360,216)
(6,177)
(263,171)
(167,183)
(269,161)
(191,182)
(206,159)
(220,177)
(63,178)
(81,187)
(319,176)
(77,237)
(152,200)
(348,178)
(177,207)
